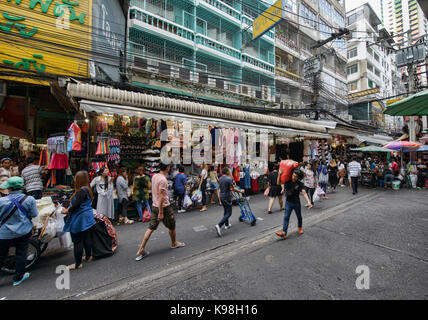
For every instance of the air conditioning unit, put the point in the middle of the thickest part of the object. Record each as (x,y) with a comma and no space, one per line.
(232,87)
(152,66)
(212,82)
(245,90)
(175,72)
(265,93)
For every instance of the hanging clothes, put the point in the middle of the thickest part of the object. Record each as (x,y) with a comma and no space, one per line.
(247,177)
(74,139)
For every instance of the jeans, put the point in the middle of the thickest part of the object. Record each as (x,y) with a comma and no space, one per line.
(82,240)
(21,248)
(354,182)
(227,205)
(323,186)
(36,194)
(140,207)
(289,206)
(123,207)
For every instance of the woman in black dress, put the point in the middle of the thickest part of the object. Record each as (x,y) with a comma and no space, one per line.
(333,174)
(275,189)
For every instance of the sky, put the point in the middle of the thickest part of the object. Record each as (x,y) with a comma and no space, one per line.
(352,4)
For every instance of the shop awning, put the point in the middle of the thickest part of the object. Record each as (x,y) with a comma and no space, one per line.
(183,107)
(415,105)
(371,139)
(11,131)
(106,108)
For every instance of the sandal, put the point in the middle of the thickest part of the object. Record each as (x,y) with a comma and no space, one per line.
(73,267)
(87,260)
(128,221)
(179,245)
(142,256)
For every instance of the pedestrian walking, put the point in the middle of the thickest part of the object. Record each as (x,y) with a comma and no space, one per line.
(309,181)
(342,172)
(141,190)
(354,169)
(333,174)
(274,189)
(162,211)
(80,219)
(203,178)
(16,212)
(122,189)
(322,175)
(214,181)
(180,184)
(292,190)
(32,175)
(103,185)
(226,188)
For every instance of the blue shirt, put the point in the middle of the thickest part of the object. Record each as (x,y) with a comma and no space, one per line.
(82,218)
(18,224)
(180,181)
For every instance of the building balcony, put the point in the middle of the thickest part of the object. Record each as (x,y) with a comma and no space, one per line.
(288,77)
(286,44)
(162,27)
(231,14)
(215,47)
(257,64)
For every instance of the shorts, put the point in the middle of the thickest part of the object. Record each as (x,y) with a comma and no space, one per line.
(168,218)
(214,185)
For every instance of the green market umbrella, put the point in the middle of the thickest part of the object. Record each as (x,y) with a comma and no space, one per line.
(415,105)
(372,149)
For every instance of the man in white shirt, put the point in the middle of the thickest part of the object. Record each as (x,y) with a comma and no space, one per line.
(354,169)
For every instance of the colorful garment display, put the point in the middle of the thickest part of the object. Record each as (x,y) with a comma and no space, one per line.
(59,161)
(74,139)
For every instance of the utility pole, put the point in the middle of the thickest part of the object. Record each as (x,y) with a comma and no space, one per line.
(410,71)
(313,67)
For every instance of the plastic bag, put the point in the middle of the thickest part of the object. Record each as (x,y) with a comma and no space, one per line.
(146,215)
(187,202)
(197,196)
(50,231)
(316,197)
(320,191)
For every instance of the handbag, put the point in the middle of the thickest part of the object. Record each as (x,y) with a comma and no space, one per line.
(146,215)
(266,193)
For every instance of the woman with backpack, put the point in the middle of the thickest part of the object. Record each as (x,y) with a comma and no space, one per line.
(322,174)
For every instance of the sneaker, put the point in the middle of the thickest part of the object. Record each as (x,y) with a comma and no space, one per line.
(281,234)
(217,228)
(228,227)
(181,211)
(25,277)
(300,231)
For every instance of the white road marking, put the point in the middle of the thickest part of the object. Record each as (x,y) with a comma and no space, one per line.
(200,228)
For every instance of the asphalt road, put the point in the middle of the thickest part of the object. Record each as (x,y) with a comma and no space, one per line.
(384,230)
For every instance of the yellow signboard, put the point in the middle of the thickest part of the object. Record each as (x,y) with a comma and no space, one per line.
(389,102)
(45,37)
(363,93)
(267,20)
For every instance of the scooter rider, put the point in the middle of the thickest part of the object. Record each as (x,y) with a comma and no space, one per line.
(16,212)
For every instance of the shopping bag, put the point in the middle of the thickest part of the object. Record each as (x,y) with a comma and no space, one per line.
(187,202)
(197,196)
(146,215)
(320,191)
(267,192)
(316,197)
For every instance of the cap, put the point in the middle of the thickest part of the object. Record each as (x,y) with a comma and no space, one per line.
(13,183)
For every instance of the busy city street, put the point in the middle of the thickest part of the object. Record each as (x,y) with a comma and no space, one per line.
(250,262)
(228,150)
